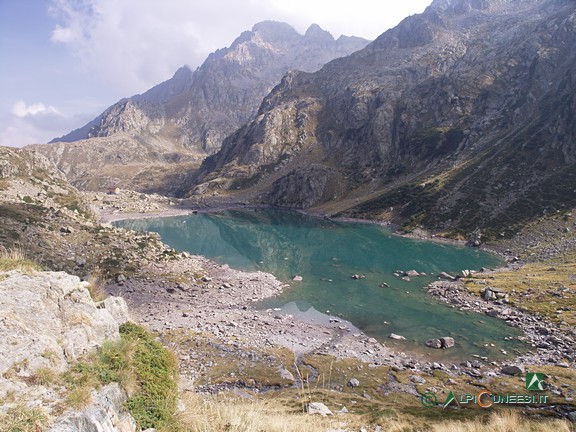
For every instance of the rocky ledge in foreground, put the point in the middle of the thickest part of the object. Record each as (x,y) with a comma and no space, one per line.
(48,321)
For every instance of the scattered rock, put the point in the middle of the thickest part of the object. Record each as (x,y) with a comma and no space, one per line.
(489,294)
(353,383)
(397,337)
(417,379)
(297,278)
(446,276)
(318,408)
(286,374)
(512,370)
(411,273)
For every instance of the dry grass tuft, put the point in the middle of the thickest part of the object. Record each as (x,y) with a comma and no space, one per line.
(22,419)
(79,397)
(212,414)
(15,259)
(503,421)
(96,286)
(45,376)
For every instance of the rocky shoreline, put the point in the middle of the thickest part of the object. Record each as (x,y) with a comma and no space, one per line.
(216,300)
(552,344)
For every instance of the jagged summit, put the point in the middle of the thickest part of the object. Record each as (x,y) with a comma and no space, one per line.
(275,30)
(317,32)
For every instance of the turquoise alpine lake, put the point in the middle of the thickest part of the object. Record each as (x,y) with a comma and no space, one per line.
(326,254)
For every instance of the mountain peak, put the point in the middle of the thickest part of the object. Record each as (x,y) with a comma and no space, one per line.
(274,30)
(317,32)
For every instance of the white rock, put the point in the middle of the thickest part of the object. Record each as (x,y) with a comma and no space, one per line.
(318,408)
(48,319)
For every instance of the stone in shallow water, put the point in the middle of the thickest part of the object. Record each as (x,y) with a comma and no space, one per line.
(434,343)
(397,337)
(447,342)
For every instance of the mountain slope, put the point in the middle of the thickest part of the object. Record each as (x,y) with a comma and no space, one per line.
(150,141)
(209,103)
(458,118)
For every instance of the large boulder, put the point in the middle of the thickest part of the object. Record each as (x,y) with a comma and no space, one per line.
(318,408)
(47,320)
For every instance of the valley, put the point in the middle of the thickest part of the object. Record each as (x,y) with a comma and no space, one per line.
(304,220)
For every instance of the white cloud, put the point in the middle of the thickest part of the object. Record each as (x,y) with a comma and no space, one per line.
(36,123)
(20,109)
(135,44)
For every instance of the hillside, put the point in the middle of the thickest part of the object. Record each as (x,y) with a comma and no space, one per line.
(460,118)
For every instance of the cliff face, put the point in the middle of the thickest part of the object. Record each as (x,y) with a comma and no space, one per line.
(461,117)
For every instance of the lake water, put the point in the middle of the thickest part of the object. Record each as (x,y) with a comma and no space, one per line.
(326,254)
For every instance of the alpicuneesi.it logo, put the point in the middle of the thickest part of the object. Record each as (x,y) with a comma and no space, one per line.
(485,398)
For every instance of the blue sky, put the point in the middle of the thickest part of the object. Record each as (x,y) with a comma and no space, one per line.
(64,61)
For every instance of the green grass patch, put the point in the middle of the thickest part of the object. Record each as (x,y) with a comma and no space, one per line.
(144,368)
(545,288)
(155,400)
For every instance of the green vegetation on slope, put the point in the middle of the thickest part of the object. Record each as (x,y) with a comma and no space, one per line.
(146,371)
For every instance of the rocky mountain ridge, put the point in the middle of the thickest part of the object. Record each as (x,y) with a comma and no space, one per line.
(207,104)
(427,125)
(148,142)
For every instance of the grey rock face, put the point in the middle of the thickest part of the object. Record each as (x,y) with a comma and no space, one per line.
(479,90)
(50,321)
(105,414)
(52,312)
(150,142)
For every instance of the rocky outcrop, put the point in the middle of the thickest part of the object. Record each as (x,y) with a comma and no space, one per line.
(207,104)
(48,321)
(105,414)
(459,118)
